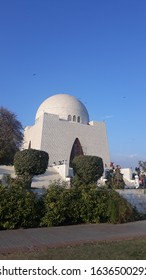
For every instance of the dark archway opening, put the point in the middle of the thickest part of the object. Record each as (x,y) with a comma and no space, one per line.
(76,150)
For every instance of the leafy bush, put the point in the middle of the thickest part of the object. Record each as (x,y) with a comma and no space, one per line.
(87,169)
(61,206)
(85,205)
(54,207)
(93,205)
(28,163)
(119,210)
(18,207)
(73,199)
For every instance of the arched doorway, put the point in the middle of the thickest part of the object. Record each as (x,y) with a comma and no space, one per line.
(76,150)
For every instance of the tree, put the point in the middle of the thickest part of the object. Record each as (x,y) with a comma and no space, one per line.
(115,180)
(87,169)
(142,164)
(11,136)
(28,163)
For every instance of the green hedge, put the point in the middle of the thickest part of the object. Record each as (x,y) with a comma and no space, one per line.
(18,207)
(85,205)
(61,206)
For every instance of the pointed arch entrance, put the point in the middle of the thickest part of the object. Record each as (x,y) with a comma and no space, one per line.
(76,150)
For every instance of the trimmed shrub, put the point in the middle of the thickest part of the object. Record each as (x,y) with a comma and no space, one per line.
(28,163)
(87,169)
(31,161)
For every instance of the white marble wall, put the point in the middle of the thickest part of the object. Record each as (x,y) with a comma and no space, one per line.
(137,197)
(57,136)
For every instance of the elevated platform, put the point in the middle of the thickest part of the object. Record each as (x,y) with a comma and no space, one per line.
(40,181)
(44,180)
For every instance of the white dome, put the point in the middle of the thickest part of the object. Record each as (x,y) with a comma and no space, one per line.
(67,107)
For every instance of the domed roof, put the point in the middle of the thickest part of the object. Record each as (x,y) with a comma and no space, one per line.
(66,106)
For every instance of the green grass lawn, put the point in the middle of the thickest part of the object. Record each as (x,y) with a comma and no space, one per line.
(116,250)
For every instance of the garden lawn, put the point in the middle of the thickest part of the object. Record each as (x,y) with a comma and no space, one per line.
(116,250)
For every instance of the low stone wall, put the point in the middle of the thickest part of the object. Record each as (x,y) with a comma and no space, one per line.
(137,197)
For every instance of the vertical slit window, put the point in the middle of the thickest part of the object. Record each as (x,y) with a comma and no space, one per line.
(74,118)
(78,119)
(69,117)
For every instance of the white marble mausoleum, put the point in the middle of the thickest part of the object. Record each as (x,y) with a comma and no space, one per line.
(62,128)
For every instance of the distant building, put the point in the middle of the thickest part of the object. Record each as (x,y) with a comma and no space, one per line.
(62,128)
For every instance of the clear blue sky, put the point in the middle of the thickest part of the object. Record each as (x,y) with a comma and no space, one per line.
(92,49)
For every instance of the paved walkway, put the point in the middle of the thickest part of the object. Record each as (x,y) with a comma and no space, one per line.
(31,239)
